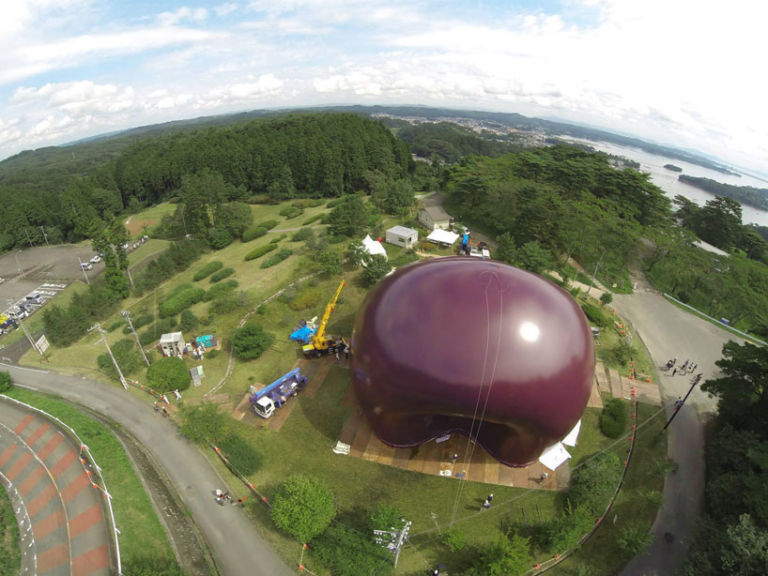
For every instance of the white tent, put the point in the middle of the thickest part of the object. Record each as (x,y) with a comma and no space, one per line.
(440,236)
(554,455)
(573,435)
(373,247)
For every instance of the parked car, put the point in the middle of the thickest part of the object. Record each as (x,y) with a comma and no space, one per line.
(86,266)
(96,259)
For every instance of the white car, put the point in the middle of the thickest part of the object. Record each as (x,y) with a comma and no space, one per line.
(96,259)
(86,266)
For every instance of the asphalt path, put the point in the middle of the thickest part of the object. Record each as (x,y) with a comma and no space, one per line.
(237,547)
(669,332)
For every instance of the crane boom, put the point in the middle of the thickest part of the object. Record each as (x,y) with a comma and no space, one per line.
(319,336)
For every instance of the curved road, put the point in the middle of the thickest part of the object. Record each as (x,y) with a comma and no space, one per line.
(668,331)
(236,545)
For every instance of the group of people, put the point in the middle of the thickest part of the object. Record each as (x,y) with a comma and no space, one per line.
(487,502)
(686,367)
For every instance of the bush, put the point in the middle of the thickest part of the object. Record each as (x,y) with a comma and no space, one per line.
(277,239)
(116,324)
(250,341)
(385,517)
(207,270)
(621,353)
(276,258)
(5,382)
(242,456)
(606,298)
(217,290)
(268,224)
(222,305)
(345,551)
(254,232)
(219,238)
(181,300)
(454,540)
(259,252)
(565,532)
(290,212)
(633,540)
(302,235)
(613,419)
(596,315)
(188,321)
(303,507)
(594,483)
(143,320)
(126,355)
(168,374)
(312,219)
(221,274)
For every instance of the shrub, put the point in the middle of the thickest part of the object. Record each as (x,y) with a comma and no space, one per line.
(276,258)
(385,517)
(126,355)
(454,540)
(290,212)
(596,315)
(564,532)
(303,507)
(254,232)
(594,483)
(621,353)
(188,321)
(345,551)
(207,270)
(633,540)
(5,382)
(613,419)
(222,305)
(221,274)
(168,374)
(181,300)
(250,341)
(143,320)
(259,252)
(606,298)
(116,324)
(242,456)
(268,224)
(219,238)
(312,219)
(302,235)
(277,239)
(217,290)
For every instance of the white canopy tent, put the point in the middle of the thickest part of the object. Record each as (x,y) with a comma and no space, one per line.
(373,247)
(554,455)
(440,236)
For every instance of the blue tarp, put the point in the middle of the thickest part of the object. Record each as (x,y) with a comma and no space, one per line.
(208,341)
(302,335)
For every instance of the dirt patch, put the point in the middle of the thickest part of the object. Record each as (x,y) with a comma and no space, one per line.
(137,228)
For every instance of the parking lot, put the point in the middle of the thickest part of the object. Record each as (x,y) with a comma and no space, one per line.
(45,270)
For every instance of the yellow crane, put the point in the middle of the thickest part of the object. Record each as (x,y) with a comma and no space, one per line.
(320,344)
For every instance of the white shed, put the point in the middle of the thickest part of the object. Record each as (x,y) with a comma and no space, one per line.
(402,236)
(373,247)
(172,344)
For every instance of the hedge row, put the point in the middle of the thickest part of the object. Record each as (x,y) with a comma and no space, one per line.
(207,270)
(259,252)
(254,232)
(221,274)
(276,258)
(181,300)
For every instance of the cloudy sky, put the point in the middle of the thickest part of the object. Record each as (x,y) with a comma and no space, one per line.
(679,72)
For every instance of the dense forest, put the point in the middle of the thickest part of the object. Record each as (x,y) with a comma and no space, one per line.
(749,195)
(321,155)
(447,142)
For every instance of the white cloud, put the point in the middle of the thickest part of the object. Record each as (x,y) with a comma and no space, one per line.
(224,9)
(181,14)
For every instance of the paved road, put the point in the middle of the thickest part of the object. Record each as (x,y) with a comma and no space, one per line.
(668,332)
(236,545)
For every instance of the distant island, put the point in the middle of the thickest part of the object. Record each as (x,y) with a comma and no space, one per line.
(749,195)
(673,167)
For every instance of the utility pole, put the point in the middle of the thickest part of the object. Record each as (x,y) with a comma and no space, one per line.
(679,403)
(83,269)
(594,274)
(45,236)
(29,336)
(101,332)
(393,539)
(28,238)
(127,317)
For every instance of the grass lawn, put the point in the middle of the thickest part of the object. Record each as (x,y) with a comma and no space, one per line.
(150,248)
(141,534)
(142,222)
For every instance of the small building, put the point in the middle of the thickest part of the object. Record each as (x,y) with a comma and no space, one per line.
(402,236)
(433,215)
(374,247)
(172,344)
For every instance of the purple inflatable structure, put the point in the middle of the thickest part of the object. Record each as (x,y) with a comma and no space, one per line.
(470,346)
